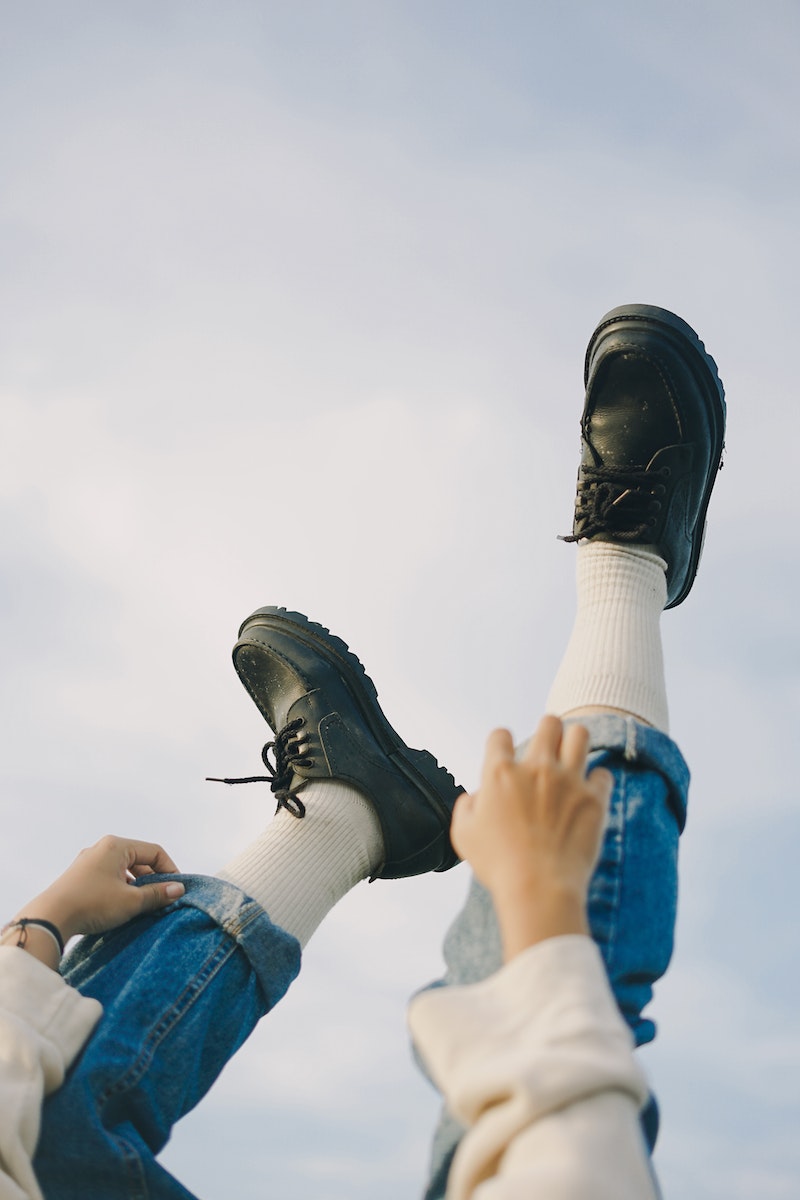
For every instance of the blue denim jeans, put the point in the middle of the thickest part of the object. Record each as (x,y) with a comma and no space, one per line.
(632,899)
(181,991)
(183,988)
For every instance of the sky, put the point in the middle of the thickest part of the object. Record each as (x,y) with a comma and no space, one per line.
(293,307)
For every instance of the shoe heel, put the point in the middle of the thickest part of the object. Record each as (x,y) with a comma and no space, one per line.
(437,782)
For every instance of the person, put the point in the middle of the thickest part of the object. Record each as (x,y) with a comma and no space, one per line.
(354,801)
(44,1022)
(181,988)
(532,833)
(652,438)
(536,1060)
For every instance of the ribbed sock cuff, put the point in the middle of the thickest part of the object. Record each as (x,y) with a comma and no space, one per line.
(298,869)
(614,657)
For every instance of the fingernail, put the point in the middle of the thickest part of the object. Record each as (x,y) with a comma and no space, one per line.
(173,890)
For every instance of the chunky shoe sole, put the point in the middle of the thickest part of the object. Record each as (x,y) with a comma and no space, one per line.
(677,337)
(351,694)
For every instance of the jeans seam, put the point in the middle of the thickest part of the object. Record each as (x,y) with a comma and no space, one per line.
(620,857)
(168,1021)
(612,862)
(236,927)
(133,1164)
(631,748)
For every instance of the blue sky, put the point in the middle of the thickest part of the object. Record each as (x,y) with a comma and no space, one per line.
(293,310)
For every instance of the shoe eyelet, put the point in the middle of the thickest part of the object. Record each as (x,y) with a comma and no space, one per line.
(659,490)
(665,471)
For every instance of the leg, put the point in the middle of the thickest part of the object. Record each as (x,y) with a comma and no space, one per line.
(652,430)
(182,989)
(632,900)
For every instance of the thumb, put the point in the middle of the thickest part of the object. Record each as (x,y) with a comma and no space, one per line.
(159,895)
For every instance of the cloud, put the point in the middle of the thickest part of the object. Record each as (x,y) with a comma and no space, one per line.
(294,312)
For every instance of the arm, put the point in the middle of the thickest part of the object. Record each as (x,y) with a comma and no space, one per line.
(44,1022)
(94,895)
(536,1060)
(532,832)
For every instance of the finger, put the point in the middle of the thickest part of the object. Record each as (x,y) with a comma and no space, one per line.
(149,854)
(500,744)
(462,814)
(499,749)
(575,747)
(545,743)
(465,803)
(158,895)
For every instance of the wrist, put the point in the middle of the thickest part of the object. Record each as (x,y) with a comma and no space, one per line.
(50,906)
(39,938)
(532,913)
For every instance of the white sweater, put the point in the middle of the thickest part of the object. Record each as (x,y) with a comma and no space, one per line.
(43,1025)
(536,1060)
(538,1063)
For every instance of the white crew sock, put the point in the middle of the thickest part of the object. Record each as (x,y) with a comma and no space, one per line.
(297,869)
(614,657)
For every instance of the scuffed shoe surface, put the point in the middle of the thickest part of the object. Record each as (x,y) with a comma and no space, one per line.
(317,697)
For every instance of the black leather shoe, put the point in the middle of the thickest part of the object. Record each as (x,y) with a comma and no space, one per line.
(653,432)
(323,707)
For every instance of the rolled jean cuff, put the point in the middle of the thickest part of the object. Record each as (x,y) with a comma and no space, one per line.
(632,896)
(182,988)
(625,740)
(273,953)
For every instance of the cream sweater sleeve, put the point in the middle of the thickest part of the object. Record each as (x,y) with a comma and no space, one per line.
(538,1063)
(43,1025)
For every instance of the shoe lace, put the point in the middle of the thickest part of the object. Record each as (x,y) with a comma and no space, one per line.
(621,501)
(287,754)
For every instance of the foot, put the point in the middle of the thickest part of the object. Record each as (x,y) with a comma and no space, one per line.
(653,431)
(323,707)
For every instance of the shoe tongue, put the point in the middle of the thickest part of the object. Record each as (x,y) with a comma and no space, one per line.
(304,706)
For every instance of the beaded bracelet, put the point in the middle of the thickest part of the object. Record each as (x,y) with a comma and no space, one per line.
(23,923)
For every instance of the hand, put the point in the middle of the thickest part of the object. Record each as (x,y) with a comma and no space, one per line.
(532,831)
(96,893)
